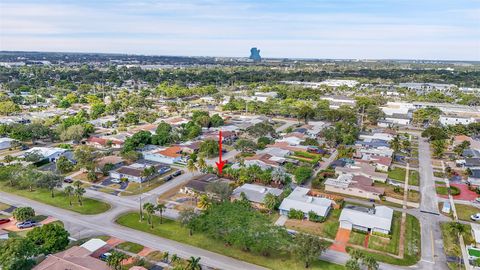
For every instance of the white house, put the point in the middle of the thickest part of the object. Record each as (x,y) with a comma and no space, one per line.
(365,219)
(50,153)
(300,200)
(135,172)
(5,143)
(255,193)
(168,155)
(448,120)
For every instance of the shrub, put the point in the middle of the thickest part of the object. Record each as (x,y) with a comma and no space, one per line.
(295,214)
(312,216)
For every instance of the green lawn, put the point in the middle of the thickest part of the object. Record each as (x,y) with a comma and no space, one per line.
(388,245)
(397,174)
(357,238)
(465,211)
(172,230)
(130,247)
(89,207)
(444,190)
(327,229)
(412,246)
(414,178)
(137,188)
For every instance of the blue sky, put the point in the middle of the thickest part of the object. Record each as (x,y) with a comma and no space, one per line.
(358,29)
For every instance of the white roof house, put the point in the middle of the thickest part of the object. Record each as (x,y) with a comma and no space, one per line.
(93,244)
(50,153)
(255,193)
(300,200)
(378,219)
(5,143)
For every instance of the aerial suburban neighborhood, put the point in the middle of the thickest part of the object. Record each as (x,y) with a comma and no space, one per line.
(267,160)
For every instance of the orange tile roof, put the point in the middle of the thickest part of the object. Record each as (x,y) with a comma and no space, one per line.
(173,151)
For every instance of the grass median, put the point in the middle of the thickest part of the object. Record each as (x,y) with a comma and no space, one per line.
(89,207)
(172,230)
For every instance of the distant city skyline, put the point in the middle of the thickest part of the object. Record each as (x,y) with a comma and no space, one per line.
(341,29)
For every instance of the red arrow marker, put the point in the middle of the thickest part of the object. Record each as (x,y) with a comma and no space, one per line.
(220,162)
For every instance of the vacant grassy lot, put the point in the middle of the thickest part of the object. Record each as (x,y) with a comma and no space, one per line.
(130,247)
(465,211)
(397,174)
(89,207)
(327,229)
(443,190)
(172,230)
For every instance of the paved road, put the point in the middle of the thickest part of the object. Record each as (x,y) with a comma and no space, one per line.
(433,256)
(104,224)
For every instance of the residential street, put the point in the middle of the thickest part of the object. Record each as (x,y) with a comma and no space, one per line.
(433,256)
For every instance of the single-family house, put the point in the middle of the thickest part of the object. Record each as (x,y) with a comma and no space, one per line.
(378,219)
(101,142)
(265,161)
(74,258)
(364,169)
(5,143)
(255,193)
(200,183)
(300,200)
(136,172)
(354,185)
(47,153)
(169,155)
(294,138)
(115,162)
(381,163)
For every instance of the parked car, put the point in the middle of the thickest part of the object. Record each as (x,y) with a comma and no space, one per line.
(4,220)
(117,181)
(27,224)
(68,180)
(475,217)
(477,200)
(105,256)
(168,177)
(177,173)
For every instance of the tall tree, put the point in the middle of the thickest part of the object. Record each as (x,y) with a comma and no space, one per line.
(308,248)
(23,213)
(49,238)
(69,191)
(161,208)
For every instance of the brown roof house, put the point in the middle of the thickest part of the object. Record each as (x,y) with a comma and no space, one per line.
(354,185)
(199,184)
(363,169)
(74,258)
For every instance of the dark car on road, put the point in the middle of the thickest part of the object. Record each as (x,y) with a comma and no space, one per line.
(4,220)
(168,177)
(27,224)
(177,173)
(68,180)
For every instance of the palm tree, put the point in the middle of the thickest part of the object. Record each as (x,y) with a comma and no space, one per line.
(204,201)
(395,143)
(174,258)
(201,164)
(149,210)
(165,256)
(194,263)
(79,193)
(115,260)
(185,217)
(69,192)
(191,166)
(161,208)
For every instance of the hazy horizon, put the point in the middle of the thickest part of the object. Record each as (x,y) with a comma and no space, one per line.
(348,29)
